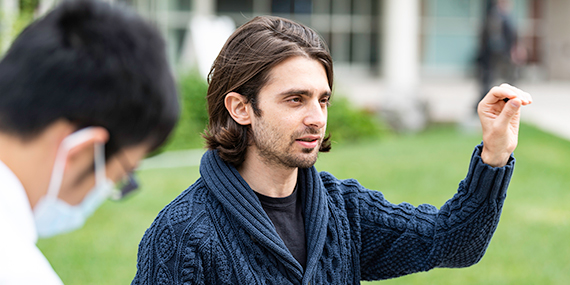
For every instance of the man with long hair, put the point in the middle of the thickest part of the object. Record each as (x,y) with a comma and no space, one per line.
(261,213)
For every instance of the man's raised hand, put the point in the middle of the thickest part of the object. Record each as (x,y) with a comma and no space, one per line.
(500,120)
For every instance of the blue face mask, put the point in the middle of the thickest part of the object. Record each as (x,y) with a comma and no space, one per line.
(54,216)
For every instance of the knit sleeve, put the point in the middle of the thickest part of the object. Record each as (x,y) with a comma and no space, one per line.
(168,253)
(143,260)
(150,261)
(401,239)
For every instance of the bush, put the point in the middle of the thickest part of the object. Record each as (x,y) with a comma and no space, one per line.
(194,113)
(345,122)
(349,124)
(22,19)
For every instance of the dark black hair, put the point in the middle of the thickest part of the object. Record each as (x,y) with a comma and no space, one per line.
(92,64)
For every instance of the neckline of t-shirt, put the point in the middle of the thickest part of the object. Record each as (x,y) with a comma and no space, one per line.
(278,202)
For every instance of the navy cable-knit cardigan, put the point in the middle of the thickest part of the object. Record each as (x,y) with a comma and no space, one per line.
(216,231)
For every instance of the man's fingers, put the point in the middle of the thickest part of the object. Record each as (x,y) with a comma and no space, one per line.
(512,107)
(499,93)
(506,92)
(524,96)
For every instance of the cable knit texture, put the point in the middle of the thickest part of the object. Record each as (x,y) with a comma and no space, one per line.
(216,231)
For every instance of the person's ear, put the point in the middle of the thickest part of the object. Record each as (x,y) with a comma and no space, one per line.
(239,109)
(97,135)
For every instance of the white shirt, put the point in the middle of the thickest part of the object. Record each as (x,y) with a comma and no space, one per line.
(21,262)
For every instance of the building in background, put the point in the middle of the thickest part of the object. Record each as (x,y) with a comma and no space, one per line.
(386,52)
(447,30)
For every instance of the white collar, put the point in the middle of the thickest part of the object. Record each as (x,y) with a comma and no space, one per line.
(15,207)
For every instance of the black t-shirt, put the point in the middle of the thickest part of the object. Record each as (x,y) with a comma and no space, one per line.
(287,216)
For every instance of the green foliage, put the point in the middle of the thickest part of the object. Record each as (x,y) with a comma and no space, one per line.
(349,124)
(345,122)
(194,114)
(29,6)
(18,22)
(22,21)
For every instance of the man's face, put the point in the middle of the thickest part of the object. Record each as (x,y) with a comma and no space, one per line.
(294,105)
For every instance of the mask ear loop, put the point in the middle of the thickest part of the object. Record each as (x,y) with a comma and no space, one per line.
(67,144)
(100,173)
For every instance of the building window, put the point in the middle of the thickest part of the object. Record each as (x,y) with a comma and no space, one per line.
(351,28)
(235,6)
(291,6)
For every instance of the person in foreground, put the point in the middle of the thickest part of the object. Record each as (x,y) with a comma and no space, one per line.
(261,213)
(85,93)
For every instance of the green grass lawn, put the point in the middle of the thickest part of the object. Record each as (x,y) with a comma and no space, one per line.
(530,246)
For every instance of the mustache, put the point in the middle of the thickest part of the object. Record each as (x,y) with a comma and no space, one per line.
(307,131)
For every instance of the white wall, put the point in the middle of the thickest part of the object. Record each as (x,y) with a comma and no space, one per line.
(557,39)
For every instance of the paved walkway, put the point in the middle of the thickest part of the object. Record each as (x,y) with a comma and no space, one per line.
(550,109)
(173,159)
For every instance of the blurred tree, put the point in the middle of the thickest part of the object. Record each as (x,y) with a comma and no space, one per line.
(15,15)
(194,116)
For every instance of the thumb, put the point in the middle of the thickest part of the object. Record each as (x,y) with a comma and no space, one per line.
(511,108)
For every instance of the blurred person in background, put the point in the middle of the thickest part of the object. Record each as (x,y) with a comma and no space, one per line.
(500,52)
(85,93)
(261,213)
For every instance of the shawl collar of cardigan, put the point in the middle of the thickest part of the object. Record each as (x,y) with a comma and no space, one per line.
(237,198)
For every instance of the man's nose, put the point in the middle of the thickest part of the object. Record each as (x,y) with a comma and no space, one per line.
(316,116)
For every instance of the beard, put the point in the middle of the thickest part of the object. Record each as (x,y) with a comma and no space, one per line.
(276,148)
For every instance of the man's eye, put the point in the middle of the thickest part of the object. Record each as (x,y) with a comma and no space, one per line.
(295,100)
(325,101)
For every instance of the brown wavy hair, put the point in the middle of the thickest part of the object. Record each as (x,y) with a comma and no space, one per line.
(243,66)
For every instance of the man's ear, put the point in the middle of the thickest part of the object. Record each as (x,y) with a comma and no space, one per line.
(97,135)
(239,109)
